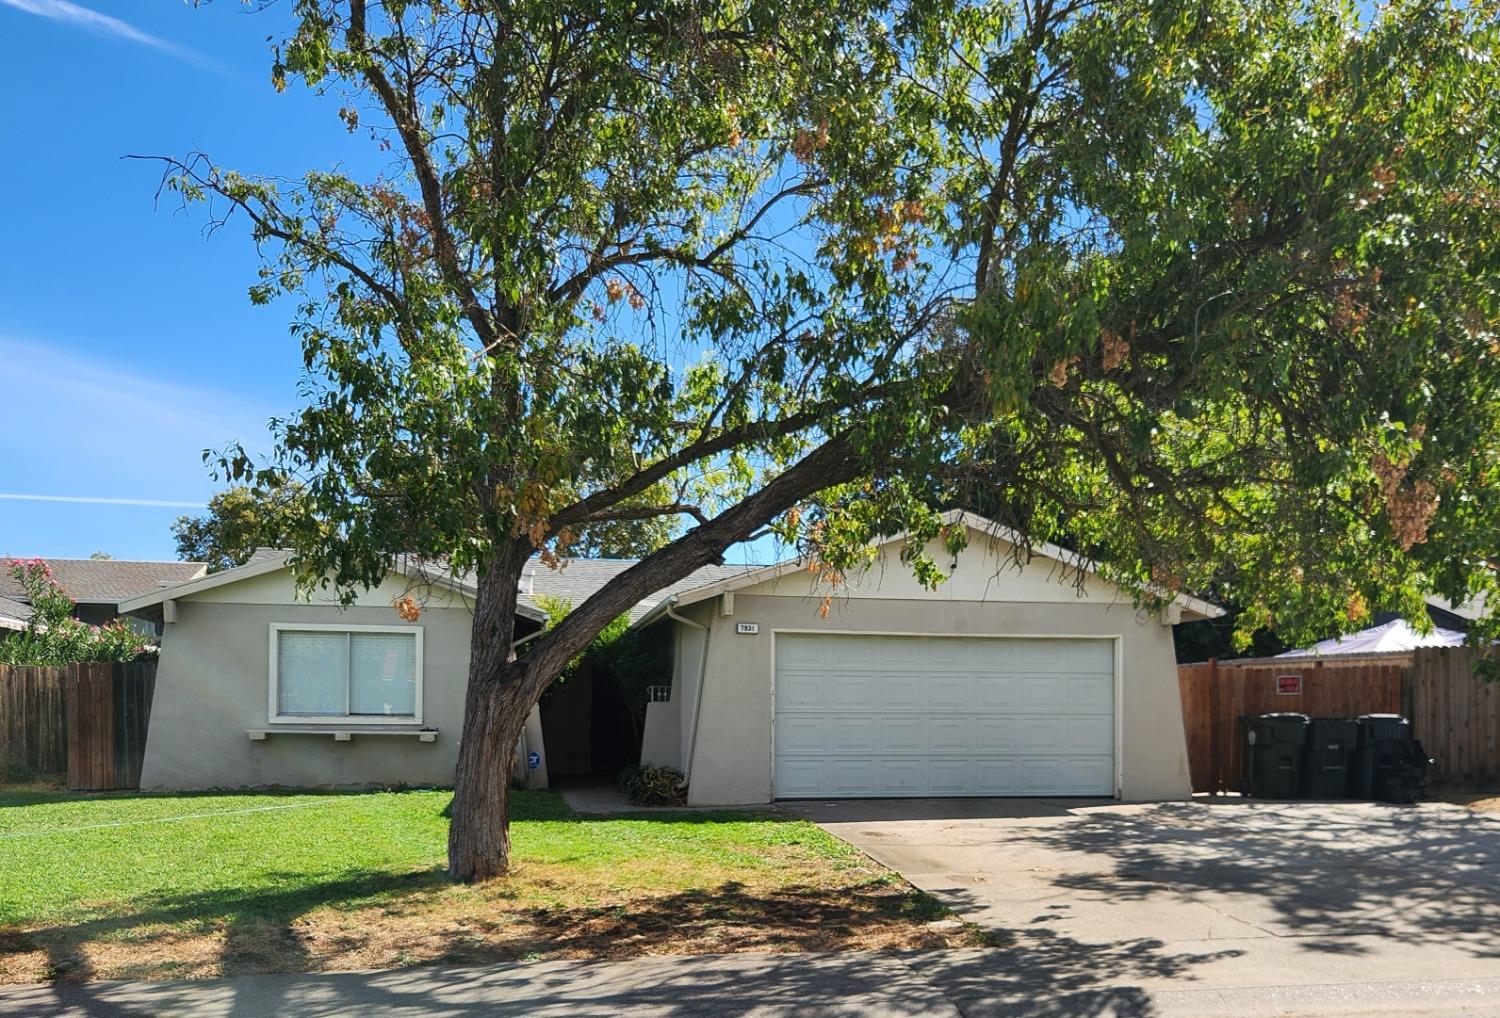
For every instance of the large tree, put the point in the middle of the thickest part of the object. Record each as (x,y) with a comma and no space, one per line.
(240,519)
(1206,288)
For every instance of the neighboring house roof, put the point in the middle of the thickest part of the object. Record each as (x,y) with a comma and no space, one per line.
(13,613)
(750,576)
(1471,611)
(106,581)
(1397,635)
(578,579)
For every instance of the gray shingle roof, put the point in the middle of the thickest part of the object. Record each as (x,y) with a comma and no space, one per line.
(13,614)
(107,581)
(580,578)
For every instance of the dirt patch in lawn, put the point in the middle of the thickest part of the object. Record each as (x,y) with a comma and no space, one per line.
(1481,802)
(540,912)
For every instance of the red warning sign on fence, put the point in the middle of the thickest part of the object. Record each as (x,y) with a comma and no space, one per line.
(1289,685)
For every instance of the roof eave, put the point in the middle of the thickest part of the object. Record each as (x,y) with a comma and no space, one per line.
(1187,603)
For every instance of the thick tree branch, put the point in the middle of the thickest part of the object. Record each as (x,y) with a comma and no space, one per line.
(831,463)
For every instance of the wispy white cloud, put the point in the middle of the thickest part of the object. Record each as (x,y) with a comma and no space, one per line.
(70,13)
(73,421)
(101,500)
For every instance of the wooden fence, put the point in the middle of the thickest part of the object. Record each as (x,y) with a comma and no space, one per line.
(88,720)
(1454,713)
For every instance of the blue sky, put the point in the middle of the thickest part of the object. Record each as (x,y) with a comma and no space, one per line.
(128,344)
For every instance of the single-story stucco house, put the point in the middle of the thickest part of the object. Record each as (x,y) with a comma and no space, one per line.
(1012,678)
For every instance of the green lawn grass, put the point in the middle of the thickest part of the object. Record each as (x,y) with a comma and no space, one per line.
(348,879)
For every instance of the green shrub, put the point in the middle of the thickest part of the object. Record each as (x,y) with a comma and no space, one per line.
(654,786)
(52,636)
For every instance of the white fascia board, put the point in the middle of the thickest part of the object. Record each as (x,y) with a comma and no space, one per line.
(406,567)
(208,582)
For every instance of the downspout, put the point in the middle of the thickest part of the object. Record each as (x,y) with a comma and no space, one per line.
(531,737)
(687,768)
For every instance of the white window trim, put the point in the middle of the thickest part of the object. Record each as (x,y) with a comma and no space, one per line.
(335,720)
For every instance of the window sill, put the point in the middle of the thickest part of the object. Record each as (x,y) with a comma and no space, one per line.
(344,733)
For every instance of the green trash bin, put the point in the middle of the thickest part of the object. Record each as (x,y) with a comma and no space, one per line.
(1328,759)
(1389,764)
(1273,745)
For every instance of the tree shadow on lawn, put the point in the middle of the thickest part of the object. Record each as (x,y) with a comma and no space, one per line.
(378,919)
(1040,976)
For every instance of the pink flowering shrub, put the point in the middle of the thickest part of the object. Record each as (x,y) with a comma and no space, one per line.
(52,635)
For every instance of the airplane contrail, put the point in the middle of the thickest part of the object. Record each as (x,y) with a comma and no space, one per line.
(99,500)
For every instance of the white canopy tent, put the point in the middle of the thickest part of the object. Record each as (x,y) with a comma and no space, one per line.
(1392,637)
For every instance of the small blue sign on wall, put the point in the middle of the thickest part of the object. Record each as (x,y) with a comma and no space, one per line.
(533,760)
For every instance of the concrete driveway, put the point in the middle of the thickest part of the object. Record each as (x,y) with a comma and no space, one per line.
(1327,897)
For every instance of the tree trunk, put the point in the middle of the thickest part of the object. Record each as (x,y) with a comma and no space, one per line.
(495,710)
(502,691)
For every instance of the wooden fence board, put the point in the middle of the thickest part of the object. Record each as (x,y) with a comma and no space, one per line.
(1456,715)
(33,731)
(86,720)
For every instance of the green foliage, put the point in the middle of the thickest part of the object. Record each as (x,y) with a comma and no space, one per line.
(240,519)
(618,653)
(52,635)
(654,786)
(1206,289)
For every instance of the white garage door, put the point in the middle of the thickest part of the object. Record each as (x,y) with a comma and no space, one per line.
(914,716)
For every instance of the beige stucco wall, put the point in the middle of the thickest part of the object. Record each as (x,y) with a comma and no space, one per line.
(733,763)
(212,687)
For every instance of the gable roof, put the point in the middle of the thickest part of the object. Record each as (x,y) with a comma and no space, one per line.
(266,560)
(105,581)
(1071,559)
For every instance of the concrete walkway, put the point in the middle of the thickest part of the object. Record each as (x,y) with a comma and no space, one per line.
(950,984)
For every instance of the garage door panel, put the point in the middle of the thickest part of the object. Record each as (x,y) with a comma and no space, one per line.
(900,651)
(799,734)
(1091,693)
(948,692)
(911,716)
(854,690)
(855,777)
(854,734)
(796,688)
(793,653)
(903,777)
(950,777)
(991,731)
(1083,773)
(903,735)
(801,777)
(1042,734)
(997,777)
(901,690)
(997,692)
(950,735)
(1095,731)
